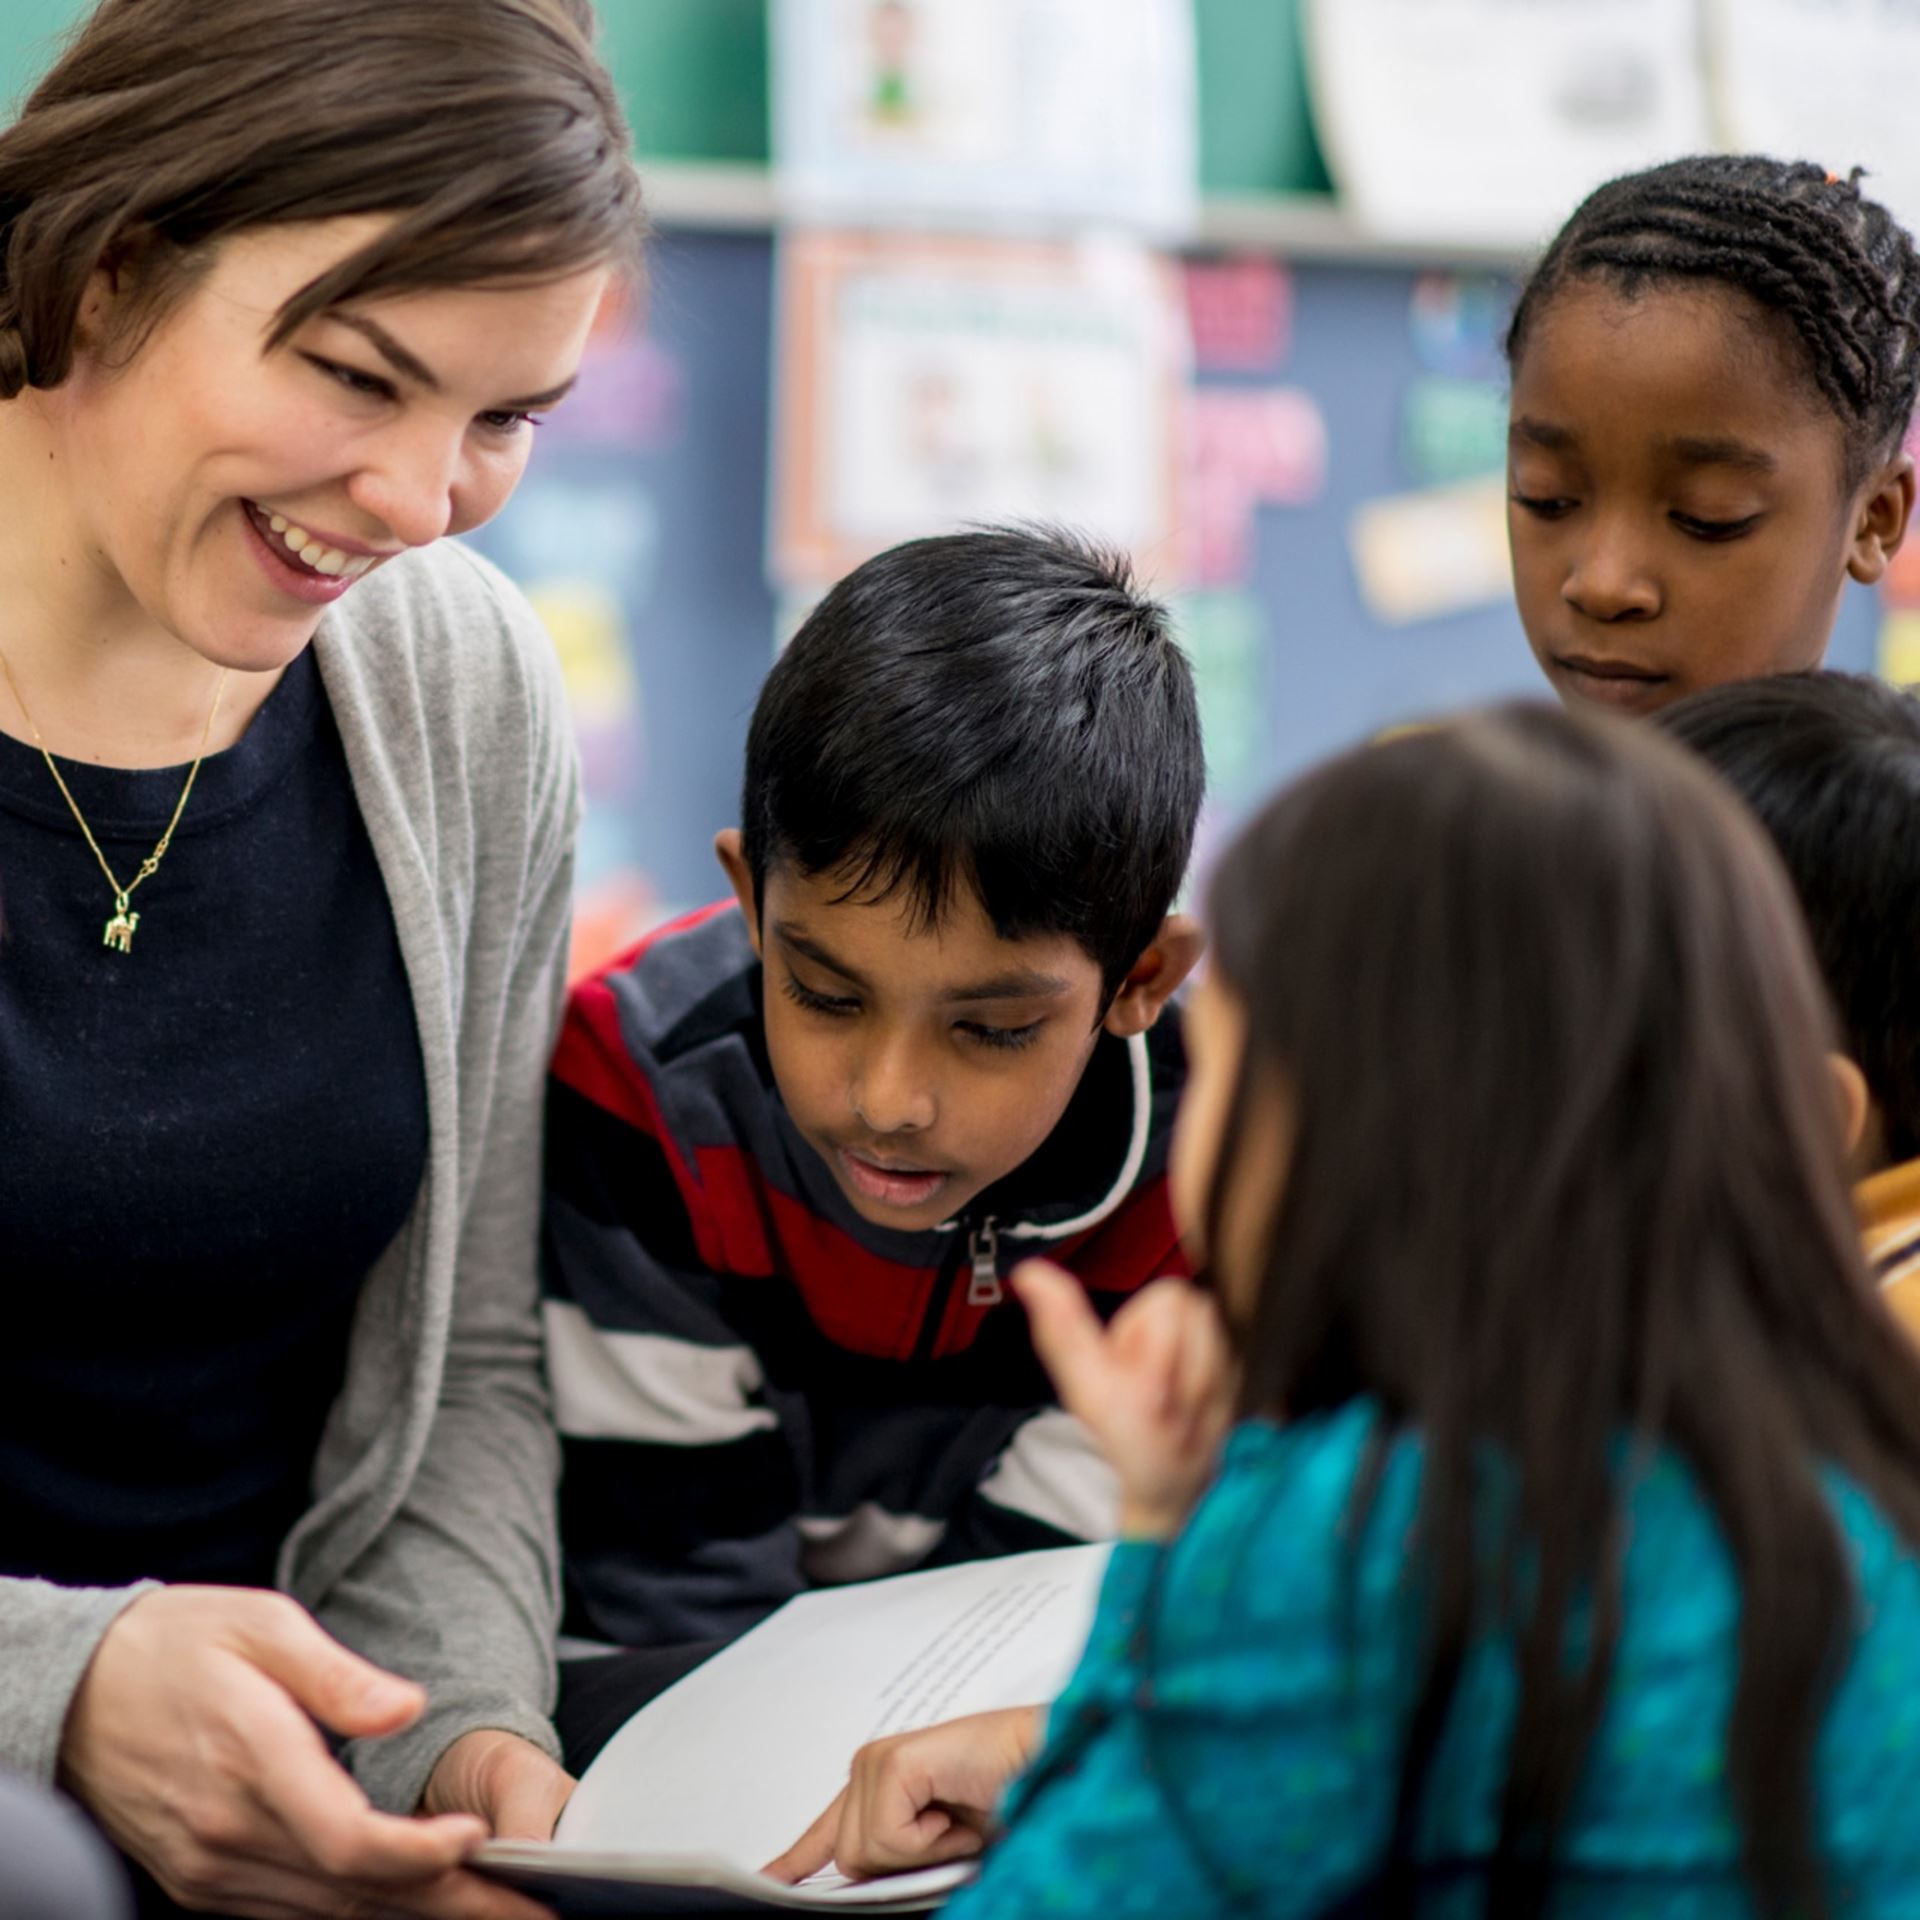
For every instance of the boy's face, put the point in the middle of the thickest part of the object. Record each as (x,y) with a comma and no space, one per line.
(921,1064)
(1678,509)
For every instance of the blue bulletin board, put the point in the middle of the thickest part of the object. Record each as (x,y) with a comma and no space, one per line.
(1293,663)
(641,529)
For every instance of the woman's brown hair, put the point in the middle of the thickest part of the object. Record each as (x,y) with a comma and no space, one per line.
(487,129)
(1566,1186)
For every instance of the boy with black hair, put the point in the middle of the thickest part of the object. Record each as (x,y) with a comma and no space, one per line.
(796,1141)
(1830,762)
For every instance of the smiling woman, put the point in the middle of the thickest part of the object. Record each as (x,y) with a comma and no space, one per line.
(270,327)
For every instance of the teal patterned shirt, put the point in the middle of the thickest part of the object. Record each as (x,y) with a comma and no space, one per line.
(1249,1764)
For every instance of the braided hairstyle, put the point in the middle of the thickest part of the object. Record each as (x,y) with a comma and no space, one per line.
(1812,248)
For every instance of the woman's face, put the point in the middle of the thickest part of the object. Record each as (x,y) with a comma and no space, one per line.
(1680,514)
(207,473)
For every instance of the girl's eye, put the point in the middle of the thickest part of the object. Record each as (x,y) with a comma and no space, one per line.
(1714,529)
(1542,506)
(837,1009)
(1005,1039)
(352,378)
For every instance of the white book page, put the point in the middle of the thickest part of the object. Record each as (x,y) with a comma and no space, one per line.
(735,1761)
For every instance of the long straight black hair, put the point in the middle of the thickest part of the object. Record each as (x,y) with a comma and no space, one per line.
(1566,1170)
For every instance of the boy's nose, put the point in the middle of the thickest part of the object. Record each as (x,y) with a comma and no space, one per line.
(891,1095)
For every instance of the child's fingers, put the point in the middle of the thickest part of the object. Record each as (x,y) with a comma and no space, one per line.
(1067,1334)
(1151,1338)
(813,1850)
(1206,1371)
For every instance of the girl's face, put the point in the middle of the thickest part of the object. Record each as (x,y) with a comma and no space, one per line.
(1215,1031)
(1679,512)
(206,475)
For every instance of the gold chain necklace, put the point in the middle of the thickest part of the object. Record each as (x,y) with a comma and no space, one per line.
(123,925)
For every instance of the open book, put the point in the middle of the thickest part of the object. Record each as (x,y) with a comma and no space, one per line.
(729,1766)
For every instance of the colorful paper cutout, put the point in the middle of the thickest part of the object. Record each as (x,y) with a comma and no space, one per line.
(1240,312)
(1247,447)
(1225,635)
(1899,659)
(1420,555)
(1453,429)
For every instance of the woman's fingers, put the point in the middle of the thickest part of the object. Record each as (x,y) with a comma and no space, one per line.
(338,1688)
(192,1739)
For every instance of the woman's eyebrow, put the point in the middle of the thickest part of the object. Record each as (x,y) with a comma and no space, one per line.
(399,358)
(404,360)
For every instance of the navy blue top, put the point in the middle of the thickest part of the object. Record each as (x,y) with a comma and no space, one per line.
(204,1144)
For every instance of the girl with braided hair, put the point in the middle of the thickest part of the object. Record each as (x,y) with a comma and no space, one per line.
(1714,364)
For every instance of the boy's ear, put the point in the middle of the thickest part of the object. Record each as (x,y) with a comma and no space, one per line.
(1151,981)
(1884,517)
(729,851)
(1856,1103)
(1862,1125)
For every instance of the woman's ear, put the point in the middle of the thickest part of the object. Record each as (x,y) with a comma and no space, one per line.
(729,850)
(1884,516)
(1152,979)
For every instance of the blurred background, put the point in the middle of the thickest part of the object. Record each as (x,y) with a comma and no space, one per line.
(1222,281)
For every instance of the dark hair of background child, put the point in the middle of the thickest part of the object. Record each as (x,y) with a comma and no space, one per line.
(1001,711)
(1813,249)
(487,128)
(1830,762)
(1565,1172)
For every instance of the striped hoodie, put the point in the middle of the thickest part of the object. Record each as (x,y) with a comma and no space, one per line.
(757,1390)
(1889,1208)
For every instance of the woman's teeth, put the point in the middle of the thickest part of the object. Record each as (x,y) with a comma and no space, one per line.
(316,553)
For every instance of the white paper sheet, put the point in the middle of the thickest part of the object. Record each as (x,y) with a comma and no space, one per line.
(729,1766)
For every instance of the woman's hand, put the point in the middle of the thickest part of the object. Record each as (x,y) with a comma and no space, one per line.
(917,1799)
(192,1739)
(1155,1388)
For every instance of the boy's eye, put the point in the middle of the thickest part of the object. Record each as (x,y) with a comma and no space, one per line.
(829,1004)
(1714,529)
(1006,1039)
(1542,506)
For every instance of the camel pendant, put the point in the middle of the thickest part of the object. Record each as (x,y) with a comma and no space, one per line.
(121,928)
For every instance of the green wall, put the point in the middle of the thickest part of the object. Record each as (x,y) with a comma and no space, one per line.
(694,75)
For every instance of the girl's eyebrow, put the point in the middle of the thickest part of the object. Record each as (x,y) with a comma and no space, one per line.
(1693,450)
(1542,433)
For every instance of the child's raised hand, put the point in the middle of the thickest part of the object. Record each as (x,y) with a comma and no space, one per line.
(1154,1388)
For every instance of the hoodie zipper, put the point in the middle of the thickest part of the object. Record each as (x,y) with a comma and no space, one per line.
(979,1253)
(983,1257)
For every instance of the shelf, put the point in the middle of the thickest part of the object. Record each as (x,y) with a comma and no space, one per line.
(726,197)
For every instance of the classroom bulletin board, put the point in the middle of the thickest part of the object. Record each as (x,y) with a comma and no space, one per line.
(1345,427)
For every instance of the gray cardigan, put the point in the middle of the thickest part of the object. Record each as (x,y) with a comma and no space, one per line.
(430,1544)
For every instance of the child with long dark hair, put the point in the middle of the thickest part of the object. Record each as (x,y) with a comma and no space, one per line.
(1714,363)
(1562,1557)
